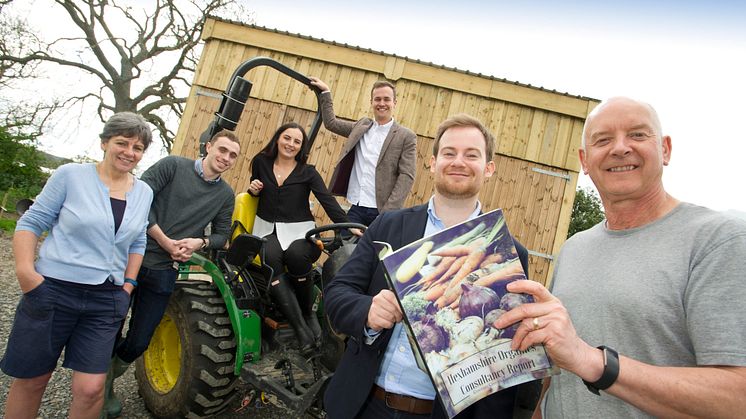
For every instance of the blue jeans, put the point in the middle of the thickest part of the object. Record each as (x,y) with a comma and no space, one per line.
(362,215)
(149,302)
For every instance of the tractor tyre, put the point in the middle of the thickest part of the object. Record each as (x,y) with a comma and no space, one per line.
(187,370)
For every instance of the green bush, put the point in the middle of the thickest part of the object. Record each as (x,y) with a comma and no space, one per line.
(587,211)
(21,167)
(8,226)
(8,198)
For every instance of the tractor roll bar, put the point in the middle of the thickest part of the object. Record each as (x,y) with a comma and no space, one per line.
(237,93)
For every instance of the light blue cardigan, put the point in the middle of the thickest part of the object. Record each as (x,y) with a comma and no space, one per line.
(81,247)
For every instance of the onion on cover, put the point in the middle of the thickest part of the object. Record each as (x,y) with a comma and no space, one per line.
(512,300)
(429,335)
(477,301)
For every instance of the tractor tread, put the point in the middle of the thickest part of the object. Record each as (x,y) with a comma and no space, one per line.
(227,344)
(217,409)
(211,381)
(199,292)
(214,331)
(214,356)
(205,402)
(223,321)
(209,385)
(208,309)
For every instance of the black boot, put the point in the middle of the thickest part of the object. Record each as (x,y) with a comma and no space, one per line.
(284,297)
(304,290)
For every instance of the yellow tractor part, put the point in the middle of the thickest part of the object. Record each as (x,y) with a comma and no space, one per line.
(163,357)
(244,212)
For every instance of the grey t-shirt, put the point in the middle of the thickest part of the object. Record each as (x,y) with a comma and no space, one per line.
(670,293)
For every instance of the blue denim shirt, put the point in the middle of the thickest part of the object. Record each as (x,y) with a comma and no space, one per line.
(201,171)
(82,246)
(399,372)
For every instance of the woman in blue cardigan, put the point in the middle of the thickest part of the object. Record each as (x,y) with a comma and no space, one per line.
(283,181)
(77,293)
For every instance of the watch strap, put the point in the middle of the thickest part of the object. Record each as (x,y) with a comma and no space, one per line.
(610,373)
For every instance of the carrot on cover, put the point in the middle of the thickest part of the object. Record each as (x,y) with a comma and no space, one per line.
(506,272)
(433,276)
(491,259)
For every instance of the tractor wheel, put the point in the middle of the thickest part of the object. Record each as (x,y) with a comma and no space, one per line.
(187,370)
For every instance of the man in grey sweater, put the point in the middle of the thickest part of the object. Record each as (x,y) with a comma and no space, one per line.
(660,281)
(187,196)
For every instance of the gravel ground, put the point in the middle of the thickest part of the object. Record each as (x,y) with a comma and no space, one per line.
(57,396)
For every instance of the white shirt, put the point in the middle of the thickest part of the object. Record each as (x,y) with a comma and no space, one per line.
(286,232)
(362,187)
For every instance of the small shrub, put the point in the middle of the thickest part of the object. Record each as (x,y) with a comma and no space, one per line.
(8,226)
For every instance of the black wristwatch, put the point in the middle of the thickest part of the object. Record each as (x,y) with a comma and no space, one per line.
(610,374)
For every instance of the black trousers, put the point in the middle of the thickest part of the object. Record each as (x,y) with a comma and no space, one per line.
(298,258)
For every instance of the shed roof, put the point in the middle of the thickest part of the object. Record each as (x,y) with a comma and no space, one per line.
(385,54)
(575,105)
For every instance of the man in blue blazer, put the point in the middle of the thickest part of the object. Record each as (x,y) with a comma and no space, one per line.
(378,376)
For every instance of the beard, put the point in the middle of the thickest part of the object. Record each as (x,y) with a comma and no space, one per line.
(454,190)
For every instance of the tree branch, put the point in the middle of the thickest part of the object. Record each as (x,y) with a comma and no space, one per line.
(43,56)
(165,31)
(87,26)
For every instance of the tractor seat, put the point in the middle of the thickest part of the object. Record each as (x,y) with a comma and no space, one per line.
(244,247)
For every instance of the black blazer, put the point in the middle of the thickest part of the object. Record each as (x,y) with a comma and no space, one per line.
(289,203)
(347,299)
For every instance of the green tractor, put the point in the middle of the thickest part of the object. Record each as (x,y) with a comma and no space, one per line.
(221,323)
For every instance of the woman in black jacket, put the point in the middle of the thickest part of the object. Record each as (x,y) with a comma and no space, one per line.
(283,182)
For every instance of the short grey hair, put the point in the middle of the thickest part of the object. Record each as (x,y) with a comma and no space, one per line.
(127,124)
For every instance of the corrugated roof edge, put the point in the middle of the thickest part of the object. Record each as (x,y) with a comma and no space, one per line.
(467,72)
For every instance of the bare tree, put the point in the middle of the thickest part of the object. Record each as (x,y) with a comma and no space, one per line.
(142,60)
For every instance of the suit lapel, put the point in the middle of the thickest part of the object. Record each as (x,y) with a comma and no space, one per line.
(356,136)
(413,227)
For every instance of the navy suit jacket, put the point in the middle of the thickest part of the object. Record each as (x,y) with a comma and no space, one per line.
(347,299)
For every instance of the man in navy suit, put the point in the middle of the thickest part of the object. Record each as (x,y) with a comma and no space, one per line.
(378,376)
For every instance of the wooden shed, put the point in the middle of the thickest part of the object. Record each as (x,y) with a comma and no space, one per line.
(538,130)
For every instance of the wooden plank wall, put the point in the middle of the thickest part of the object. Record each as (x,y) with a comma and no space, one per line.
(545,137)
(525,132)
(531,200)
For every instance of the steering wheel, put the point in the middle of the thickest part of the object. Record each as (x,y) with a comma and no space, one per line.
(330,244)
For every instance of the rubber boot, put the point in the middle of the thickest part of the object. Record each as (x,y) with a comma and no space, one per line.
(112,405)
(284,297)
(304,290)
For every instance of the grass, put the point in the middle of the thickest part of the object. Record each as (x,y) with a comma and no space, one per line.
(7,226)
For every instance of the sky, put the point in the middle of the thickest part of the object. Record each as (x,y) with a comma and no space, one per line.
(686,58)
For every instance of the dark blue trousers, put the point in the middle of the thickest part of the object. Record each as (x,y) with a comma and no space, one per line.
(149,302)
(362,215)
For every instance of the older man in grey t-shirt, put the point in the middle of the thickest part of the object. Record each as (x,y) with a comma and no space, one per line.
(646,307)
